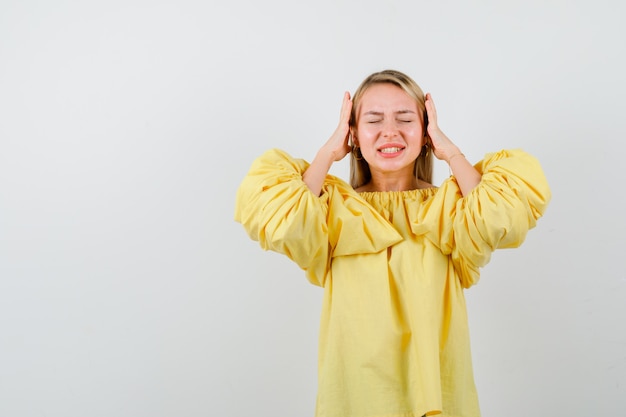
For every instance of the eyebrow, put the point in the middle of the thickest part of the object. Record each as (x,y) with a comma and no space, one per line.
(379,113)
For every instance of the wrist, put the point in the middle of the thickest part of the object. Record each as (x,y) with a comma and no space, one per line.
(454,154)
(325,157)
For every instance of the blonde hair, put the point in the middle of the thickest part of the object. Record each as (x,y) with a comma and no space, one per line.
(360,173)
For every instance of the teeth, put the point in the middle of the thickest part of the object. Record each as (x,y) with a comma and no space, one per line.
(390,150)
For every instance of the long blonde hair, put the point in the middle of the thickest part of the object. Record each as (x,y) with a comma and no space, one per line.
(360,173)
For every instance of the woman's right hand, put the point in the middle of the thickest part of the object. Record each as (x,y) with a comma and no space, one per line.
(338,145)
(335,149)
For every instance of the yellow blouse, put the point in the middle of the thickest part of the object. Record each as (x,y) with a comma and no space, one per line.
(394,338)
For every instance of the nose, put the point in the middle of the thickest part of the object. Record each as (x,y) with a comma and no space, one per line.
(390,129)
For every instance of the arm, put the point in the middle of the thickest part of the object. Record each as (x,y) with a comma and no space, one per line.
(335,149)
(277,209)
(466,175)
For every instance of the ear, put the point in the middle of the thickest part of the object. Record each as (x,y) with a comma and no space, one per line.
(355,140)
(427,141)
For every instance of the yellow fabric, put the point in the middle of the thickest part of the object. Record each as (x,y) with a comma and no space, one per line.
(394,338)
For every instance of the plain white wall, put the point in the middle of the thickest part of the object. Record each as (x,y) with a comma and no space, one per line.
(126,288)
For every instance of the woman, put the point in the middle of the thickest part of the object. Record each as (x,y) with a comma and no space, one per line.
(392,252)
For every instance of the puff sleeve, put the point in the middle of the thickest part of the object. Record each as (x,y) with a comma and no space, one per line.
(277,209)
(498,213)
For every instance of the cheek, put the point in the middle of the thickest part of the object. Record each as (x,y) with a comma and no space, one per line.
(365,134)
(415,133)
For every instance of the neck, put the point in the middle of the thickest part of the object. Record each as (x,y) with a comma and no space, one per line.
(392,182)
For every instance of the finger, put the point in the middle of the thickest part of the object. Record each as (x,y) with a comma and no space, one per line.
(431,110)
(346,108)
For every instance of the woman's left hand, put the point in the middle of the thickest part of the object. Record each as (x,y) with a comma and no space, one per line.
(443,148)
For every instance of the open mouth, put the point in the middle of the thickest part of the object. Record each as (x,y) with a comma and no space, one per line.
(390,149)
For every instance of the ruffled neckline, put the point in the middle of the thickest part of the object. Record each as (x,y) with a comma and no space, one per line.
(404,193)
(385,197)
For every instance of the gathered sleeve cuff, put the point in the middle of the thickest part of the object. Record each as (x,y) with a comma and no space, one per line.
(277,209)
(498,213)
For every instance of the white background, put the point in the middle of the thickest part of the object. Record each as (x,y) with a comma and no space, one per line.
(126,288)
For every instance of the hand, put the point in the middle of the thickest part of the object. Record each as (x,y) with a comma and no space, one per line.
(443,148)
(335,149)
(338,145)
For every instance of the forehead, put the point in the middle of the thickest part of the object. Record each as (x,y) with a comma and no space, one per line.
(386,96)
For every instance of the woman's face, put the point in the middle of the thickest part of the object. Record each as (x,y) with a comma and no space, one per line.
(389,129)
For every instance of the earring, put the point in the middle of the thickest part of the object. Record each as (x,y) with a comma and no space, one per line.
(356,151)
(425,150)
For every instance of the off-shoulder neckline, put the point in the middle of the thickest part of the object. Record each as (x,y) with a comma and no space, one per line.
(403,193)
